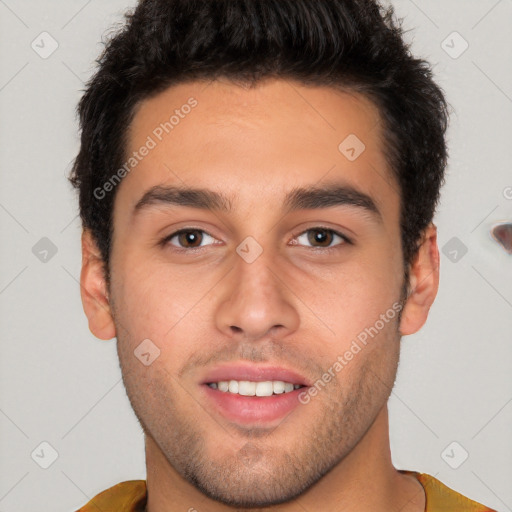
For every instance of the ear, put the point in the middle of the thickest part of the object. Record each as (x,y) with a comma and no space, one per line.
(423,283)
(93,290)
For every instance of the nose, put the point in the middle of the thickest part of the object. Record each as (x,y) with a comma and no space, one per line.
(256,302)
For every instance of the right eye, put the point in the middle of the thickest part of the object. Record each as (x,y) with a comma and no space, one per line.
(187,238)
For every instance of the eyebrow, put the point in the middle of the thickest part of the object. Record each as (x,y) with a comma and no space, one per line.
(299,198)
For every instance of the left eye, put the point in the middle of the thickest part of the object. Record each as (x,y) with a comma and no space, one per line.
(323,236)
(188,236)
(192,238)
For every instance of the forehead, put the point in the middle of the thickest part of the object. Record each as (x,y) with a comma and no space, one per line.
(254,144)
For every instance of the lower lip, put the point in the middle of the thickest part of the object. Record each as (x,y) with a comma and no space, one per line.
(253,409)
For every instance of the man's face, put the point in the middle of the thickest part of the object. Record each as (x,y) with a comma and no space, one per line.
(261,286)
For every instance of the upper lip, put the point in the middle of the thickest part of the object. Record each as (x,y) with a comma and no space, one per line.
(241,371)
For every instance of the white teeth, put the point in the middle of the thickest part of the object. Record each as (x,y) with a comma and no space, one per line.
(246,388)
(233,386)
(250,388)
(264,388)
(278,386)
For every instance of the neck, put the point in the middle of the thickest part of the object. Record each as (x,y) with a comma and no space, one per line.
(364,481)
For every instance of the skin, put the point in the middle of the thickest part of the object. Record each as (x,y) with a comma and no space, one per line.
(294,306)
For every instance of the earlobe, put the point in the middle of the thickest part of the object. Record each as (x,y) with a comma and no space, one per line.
(423,283)
(93,290)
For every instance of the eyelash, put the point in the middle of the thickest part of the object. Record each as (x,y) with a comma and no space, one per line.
(166,241)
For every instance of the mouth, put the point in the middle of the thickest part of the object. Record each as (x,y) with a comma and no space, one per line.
(248,394)
(254,388)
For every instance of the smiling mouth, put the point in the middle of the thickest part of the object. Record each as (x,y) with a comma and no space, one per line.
(254,388)
(253,396)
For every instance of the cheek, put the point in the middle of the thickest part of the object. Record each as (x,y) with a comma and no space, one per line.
(352,297)
(150,299)
(155,302)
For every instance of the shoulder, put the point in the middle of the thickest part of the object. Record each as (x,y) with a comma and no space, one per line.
(129,496)
(440,498)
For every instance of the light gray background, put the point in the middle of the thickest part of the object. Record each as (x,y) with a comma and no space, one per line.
(61,385)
